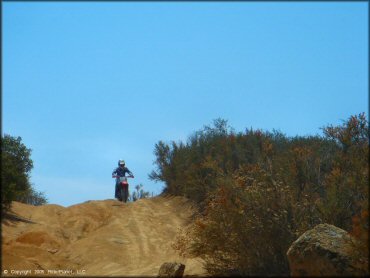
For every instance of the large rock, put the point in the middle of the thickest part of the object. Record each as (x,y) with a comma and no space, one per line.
(171,270)
(326,250)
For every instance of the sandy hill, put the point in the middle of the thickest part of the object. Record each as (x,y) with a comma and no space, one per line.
(101,237)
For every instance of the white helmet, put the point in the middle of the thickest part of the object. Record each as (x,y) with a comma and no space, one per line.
(121,162)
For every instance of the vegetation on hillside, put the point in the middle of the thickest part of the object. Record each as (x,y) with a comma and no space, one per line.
(16,165)
(259,190)
(139,193)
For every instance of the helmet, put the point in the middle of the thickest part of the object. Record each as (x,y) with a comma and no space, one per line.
(121,162)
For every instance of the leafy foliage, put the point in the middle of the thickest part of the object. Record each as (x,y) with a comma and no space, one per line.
(258,190)
(15,174)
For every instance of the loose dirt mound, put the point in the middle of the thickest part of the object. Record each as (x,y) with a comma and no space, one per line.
(98,237)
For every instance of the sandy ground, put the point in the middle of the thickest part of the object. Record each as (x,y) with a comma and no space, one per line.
(105,238)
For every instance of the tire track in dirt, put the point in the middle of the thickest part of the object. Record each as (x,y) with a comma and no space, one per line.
(103,237)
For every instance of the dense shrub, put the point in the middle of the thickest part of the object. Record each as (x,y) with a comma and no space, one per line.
(247,226)
(16,165)
(347,183)
(260,190)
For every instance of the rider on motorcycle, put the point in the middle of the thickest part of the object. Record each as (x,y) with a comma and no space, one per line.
(120,171)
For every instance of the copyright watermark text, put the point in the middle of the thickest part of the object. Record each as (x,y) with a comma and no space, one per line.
(52,272)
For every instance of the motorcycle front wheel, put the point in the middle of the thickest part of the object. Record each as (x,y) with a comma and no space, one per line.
(124,194)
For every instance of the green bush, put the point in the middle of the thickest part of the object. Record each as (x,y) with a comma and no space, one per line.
(15,173)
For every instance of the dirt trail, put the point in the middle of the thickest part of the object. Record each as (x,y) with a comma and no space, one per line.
(98,237)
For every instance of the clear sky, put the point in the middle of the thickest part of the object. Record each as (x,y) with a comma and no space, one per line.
(85,84)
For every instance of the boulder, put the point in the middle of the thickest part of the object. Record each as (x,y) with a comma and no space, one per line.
(326,250)
(171,270)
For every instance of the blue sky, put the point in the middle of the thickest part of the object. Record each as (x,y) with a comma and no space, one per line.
(85,84)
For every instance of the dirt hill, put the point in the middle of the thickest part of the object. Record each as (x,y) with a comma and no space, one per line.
(97,237)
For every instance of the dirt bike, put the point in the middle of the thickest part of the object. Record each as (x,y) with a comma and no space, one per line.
(123,188)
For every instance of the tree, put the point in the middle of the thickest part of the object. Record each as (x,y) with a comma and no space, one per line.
(15,175)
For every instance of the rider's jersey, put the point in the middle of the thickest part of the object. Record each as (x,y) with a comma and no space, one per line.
(121,172)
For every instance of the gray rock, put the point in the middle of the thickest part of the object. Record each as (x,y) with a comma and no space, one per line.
(171,270)
(326,250)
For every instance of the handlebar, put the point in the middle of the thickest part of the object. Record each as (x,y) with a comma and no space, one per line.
(122,177)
